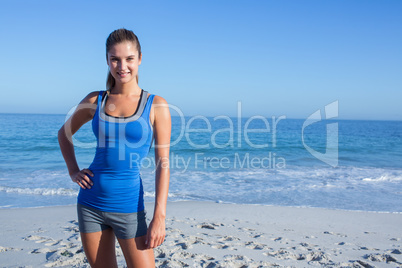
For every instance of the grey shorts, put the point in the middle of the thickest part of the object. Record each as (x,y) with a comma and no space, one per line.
(124,225)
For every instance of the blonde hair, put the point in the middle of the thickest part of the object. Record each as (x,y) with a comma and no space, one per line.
(116,37)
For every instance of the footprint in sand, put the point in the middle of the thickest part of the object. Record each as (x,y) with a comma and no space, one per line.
(195,240)
(160,255)
(4,249)
(360,263)
(211,226)
(229,238)
(257,246)
(39,239)
(240,261)
(171,264)
(223,246)
(305,246)
(245,229)
(172,230)
(236,258)
(54,243)
(258,235)
(310,236)
(67,256)
(73,229)
(33,237)
(395,251)
(337,234)
(380,258)
(366,248)
(42,250)
(284,255)
(281,254)
(277,239)
(182,255)
(184,245)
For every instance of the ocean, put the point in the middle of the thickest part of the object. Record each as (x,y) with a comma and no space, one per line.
(335,164)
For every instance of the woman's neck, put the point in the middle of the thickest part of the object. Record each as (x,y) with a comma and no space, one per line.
(126,89)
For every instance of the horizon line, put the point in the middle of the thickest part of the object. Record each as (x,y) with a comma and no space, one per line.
(211,116)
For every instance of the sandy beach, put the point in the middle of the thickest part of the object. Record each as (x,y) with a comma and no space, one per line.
(206,234)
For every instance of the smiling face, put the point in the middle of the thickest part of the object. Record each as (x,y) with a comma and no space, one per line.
(123,60)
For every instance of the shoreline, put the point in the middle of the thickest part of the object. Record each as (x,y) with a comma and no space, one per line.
(227,203)
(203,233)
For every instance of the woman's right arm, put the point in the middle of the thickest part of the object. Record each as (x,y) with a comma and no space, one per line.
(82,114)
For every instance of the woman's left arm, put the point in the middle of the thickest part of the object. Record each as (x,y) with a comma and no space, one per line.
(162,131)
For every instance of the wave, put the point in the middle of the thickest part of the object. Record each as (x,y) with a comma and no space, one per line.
(384,178)
(319,172)
(39,191)
(60,191)
(152,194)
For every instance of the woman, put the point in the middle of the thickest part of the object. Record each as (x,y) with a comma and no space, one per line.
(125,121)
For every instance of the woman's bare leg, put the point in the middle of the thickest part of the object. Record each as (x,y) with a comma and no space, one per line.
(99,248)
(136,253)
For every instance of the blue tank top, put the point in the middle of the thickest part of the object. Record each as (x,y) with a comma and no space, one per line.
(122,143)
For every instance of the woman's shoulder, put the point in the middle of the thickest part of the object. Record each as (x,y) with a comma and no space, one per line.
(159,100)
(159,111)
(92,97)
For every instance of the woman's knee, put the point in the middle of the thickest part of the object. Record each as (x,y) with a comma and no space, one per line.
(136,253)
(99,248)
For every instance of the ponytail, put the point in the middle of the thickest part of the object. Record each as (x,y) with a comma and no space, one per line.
(110,82)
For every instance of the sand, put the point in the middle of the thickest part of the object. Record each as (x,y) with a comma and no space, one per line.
(207,234)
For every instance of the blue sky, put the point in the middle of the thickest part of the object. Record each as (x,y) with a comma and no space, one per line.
(276,57)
